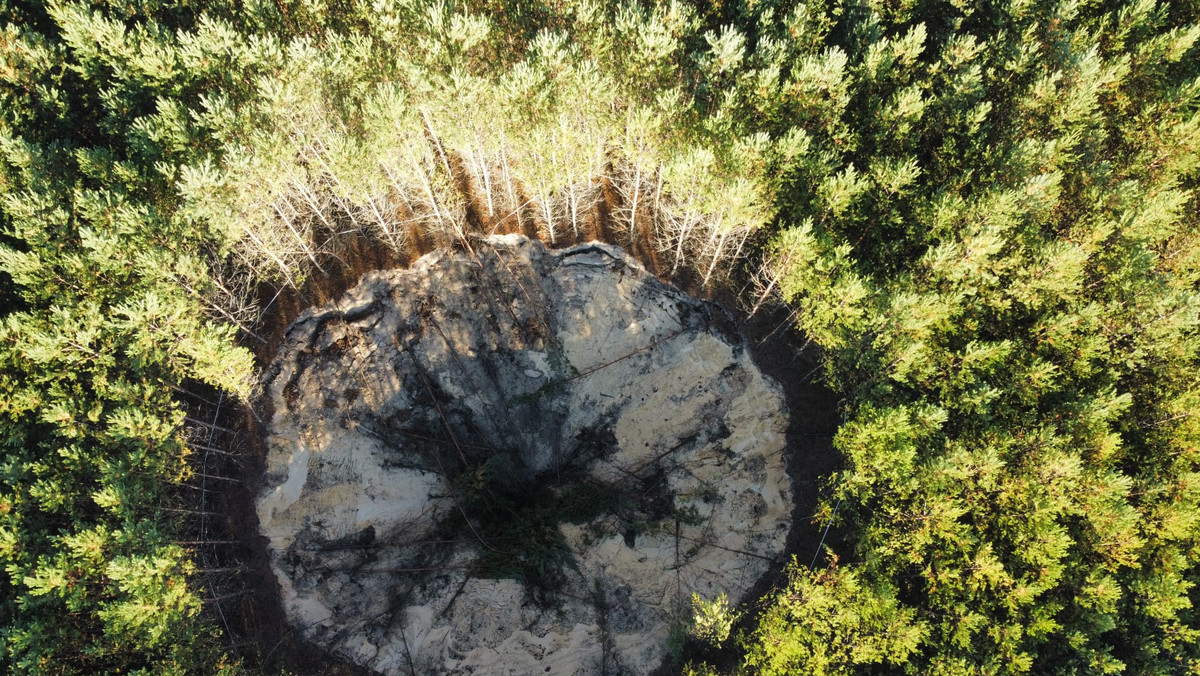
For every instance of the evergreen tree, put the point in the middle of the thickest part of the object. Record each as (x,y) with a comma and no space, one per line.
(984,216)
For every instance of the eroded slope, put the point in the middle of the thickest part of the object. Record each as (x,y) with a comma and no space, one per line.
(514,460)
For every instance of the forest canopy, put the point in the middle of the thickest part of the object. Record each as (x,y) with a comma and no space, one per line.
(984,216)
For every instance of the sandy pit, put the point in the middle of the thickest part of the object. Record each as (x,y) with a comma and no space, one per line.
(511,460)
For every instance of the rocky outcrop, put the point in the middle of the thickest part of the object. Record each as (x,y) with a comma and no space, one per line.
(513,460)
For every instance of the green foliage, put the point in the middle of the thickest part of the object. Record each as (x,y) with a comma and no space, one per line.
(712,621)
(831,622)
(996,249)
(460,126)
(984,215)
(94,125)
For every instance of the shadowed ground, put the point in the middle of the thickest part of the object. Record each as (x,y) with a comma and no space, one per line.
(509,457)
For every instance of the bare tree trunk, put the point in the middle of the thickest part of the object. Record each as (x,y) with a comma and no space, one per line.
(549,215)
(304,246)
(637,184)
(684,230)
(716,256)
(487,179)
(222,311)
(512,194)
(271,254)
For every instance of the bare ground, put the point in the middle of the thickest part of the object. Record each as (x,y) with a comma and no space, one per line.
(245,603)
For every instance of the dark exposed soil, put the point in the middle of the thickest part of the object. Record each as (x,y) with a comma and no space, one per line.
(814,420)
(242,602)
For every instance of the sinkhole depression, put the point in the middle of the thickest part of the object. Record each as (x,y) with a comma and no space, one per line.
(508,459)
